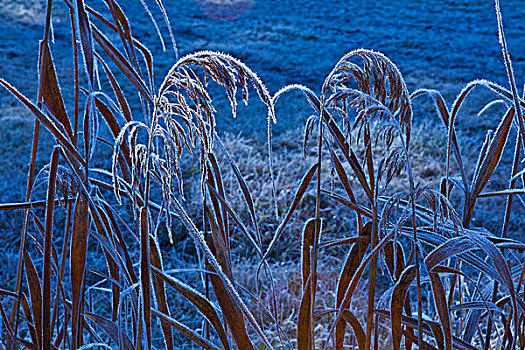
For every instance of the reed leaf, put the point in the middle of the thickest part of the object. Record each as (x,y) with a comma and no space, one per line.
(112,330)
(78,251)
(48,243)
(35,293)
(199,301)
(397,301)
(192,335)
(359,333)
(51,93)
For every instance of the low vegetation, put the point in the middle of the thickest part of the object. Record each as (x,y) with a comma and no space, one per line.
(193,238)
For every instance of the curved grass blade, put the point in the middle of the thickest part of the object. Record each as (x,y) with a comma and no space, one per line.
(444,113)
(48,122)
(122,63)
(231,311)
(235,217)
(450,248)
(429,328)
(348,153)
(123,103)
(192,335)
(297,198)
(29,318)
(112,330)
(308,238)
(358,209)
(359,332)
(341,172)
(115,128)
(351,264)
(305,339)
(397,301)
(10,331)
(199,301)
(352,285)
(440,301)
(493,155)
(395,259)
(244,188)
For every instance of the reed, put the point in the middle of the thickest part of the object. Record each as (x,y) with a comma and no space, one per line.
(381,259)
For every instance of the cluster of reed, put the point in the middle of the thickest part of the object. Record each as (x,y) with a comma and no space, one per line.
(472,278)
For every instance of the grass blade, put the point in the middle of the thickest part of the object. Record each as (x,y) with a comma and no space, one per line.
(244,188)
(112,330)
(395,259)
(510,71)
(493,156)
(29,317)
(359,332)
(444,113)
(123,103)
(229,306)
(35,293)
(86,39)
(450,248)
(192,335)
(397,301)
(341,172)
(351,264)
(124,158)
(51,89)
(122,63)
(48,242)
(305,336)
(199,301)
(440,301)
(297,198)
(78,251)
(145,285)
(48,122)
(160,293)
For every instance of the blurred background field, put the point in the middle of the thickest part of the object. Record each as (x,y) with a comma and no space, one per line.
(436,44)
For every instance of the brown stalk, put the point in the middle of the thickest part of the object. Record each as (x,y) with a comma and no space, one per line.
(397,302)
(145,278)
(76,75)
(510,71)
(46,280)
(78,251)
(372,279)
(519,113)
(305,339)
(62,266)
(160,293)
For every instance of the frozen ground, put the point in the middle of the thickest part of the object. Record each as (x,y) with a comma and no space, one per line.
(433,42)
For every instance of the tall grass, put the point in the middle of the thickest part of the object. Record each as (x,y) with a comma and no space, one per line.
(416,271)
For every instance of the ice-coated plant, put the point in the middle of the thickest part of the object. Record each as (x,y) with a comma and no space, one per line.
(414,271)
